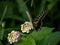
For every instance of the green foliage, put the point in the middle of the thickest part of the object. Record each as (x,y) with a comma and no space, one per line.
(1,34)
(22,9)
(52,39)
(0,43)
(26,41)
(41,34)
(13,14)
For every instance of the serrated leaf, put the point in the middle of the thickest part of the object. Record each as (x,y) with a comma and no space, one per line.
(26,41)
(41,34)
(52,39)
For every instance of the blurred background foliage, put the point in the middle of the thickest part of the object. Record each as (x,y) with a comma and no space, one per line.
(13,14)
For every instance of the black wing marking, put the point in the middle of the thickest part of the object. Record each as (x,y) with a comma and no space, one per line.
(37,21)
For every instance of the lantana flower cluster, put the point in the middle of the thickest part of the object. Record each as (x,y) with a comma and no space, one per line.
(26,27)
(15,35)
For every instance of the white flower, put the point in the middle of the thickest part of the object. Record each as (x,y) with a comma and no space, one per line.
(13,36)
(26,27)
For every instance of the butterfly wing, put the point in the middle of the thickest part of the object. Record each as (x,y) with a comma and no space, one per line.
(37,21)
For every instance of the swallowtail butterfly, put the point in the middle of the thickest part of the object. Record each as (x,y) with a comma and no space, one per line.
(37,21)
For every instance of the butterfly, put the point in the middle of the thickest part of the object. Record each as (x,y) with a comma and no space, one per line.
(38,20)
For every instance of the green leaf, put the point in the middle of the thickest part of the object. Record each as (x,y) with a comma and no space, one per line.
(2,7)
(52,4)
(15,17)
(0,43)
(10,14)
(1,34)
(22,9)
(4,13)
(0,25)
(52,39)
(41,34)
(26,41)
(42,7)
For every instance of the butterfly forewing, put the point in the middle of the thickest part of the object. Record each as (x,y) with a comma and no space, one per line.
(37,21)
